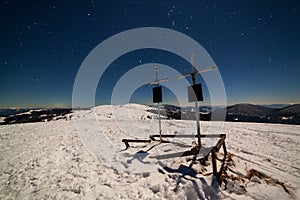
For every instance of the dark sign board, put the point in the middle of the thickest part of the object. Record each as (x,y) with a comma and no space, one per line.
(157,94)
(195,93)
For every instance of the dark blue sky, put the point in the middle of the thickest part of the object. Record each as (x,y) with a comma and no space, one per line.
(255,44)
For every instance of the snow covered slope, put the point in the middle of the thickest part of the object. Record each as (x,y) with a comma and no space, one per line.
(84,158)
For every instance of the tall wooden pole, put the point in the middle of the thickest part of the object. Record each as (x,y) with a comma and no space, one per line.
(156,83)
(158,107)
(193,75)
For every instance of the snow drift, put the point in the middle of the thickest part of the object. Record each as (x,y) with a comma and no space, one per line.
(62,159)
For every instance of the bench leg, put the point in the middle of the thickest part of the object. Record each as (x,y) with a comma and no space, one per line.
(127,145)
(214,163)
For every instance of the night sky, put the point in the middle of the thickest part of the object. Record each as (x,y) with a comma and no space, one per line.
(255,44)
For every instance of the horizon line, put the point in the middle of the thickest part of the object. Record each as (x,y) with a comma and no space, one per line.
(146,104)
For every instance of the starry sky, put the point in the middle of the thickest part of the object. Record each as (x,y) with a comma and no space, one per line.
(255,44)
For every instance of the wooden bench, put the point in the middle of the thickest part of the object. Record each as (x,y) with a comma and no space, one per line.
(126,141)
(212,152)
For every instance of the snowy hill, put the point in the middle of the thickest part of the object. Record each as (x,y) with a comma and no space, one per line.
(84,158)
(34,115)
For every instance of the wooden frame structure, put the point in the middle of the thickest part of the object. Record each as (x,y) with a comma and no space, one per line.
(193,75)
(215,149)
(196,149)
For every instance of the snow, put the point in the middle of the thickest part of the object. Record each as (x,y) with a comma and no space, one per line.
(84,158)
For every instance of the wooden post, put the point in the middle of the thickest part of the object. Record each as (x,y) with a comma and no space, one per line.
(159,122)
(193,75)
(156,82)
(214,163)
(224,149)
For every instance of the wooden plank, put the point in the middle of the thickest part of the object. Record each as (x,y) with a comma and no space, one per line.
(152,137)
(224,149)
(213,152)
(219,144)
(135,140)
(214,163)
(126,141)
(174,155)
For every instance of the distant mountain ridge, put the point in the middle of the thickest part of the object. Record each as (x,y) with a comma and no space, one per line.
(257,113)
(276,105)
(34,115)
(238,112)
(241,112)
(249,109)
(290,110)
(5,112)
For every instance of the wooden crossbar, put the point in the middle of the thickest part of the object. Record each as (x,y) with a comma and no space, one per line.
(152,137)
(175,155)
(126,141)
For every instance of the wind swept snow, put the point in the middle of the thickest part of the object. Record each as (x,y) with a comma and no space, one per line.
(85,158)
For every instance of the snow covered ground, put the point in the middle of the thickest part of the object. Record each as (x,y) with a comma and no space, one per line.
(84,158)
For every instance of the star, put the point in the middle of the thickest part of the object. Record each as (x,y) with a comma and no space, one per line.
(270,59)
(33,30)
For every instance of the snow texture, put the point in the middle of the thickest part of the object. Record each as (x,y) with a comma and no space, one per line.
(84,158)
